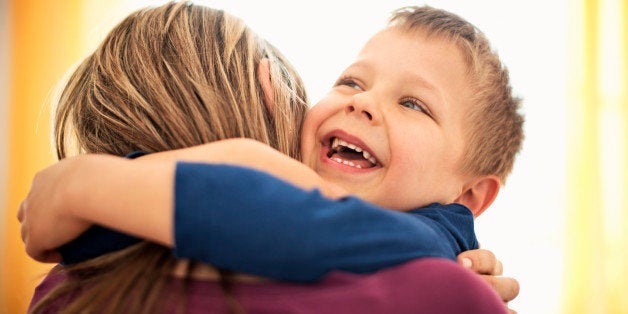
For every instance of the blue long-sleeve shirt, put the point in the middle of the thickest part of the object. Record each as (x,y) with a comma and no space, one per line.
(249,221)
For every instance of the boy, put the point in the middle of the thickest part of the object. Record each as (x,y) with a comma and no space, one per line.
(424,115)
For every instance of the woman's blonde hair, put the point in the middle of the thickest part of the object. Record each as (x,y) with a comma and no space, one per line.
(175,76)
(166,77)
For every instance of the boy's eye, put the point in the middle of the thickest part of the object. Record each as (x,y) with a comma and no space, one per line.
(353,85)
(414,105)
(350,82)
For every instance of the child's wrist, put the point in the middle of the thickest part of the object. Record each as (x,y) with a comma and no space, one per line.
(76,178)
(85,180)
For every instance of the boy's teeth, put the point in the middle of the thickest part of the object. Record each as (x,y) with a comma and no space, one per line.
(352,146)
(338,142)
(346,162)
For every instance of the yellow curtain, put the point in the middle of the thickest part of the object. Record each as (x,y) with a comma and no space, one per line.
(43,45)
(596,257)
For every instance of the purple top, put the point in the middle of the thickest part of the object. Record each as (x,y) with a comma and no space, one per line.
(428,285)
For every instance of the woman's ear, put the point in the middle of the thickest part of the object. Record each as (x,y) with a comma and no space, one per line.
(263,75)
(480,194)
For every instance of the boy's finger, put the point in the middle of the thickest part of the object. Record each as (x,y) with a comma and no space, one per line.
(481,261)
(506,287)
(499,269)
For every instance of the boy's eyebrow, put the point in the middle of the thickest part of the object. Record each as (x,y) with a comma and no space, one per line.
(420,80)
(435,100)
(409,76)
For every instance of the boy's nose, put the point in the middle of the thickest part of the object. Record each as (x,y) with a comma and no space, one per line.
(364,108)
(365,113)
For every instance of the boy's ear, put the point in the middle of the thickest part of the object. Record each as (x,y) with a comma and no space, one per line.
(263,75)
(479,194)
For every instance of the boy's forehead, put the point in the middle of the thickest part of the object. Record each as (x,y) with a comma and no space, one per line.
(426,59)
(397,39)
(410,49)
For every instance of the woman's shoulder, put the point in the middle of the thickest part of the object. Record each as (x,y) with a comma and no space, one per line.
(426,285)
(54,277)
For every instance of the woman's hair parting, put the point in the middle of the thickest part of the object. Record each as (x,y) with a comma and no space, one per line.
(166,77)
(495,126)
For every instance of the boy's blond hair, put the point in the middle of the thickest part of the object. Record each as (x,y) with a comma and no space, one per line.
(495,125)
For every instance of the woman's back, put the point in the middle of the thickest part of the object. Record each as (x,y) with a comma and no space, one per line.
(418,286)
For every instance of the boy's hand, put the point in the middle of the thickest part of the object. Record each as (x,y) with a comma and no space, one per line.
(45,224)
(484,263)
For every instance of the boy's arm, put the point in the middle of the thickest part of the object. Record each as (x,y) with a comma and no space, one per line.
(65,185)
(258,229)
(154,222)
(83,189)
(79,191)
(98,240)
(269,235)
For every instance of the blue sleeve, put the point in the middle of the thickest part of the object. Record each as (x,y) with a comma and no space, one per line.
(249,221)
(94,242)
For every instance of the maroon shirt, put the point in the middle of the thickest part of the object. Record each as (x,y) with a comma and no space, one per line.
(427,285)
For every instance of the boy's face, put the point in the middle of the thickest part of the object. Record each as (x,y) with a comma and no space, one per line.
(391,129)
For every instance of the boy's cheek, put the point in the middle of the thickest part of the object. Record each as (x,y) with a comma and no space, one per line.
(312,123)
(308,146)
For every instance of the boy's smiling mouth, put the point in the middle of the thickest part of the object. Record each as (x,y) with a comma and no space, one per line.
(350,154)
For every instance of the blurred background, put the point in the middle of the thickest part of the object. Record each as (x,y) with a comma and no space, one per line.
(560,225)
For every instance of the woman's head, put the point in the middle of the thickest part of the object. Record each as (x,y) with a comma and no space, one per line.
(168,77)
(175,76)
